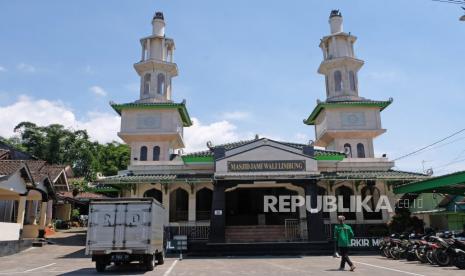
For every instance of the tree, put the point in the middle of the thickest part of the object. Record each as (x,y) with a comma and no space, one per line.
(59,145)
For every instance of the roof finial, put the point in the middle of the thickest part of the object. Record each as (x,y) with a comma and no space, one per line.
(335,13)
(158,15)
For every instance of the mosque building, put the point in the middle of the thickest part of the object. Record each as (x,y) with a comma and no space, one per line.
(217,195)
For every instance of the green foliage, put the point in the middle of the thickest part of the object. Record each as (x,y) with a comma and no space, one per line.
(75,213)
(59,145)
(403,222)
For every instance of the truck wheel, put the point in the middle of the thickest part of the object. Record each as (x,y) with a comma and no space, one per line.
(160,258)
(100,266)
(150,262)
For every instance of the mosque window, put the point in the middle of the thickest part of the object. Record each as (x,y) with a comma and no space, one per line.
(352,80)
(146,84)
(143,153)
(156,153)
(338,80)
(360,150)
(161,84)
(348,150)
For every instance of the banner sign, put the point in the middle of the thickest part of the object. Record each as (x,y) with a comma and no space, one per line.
(266,166)
(365,242)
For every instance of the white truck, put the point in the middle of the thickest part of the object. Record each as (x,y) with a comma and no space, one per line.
(123,230)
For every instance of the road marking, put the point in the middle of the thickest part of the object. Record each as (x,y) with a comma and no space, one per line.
(392,269)
(33,269)
(170,269)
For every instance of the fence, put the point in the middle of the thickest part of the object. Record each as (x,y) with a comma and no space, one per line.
(191,230)
(292,229)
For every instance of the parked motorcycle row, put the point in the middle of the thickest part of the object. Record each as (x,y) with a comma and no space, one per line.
(442,249)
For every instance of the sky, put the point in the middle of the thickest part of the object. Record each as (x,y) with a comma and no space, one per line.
(245,68)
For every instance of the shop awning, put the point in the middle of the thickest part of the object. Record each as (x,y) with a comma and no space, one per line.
(453,183)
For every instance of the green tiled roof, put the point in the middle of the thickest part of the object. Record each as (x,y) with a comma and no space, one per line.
(207,155)
(373,175)
(335,104)
(181,107)
(453,183)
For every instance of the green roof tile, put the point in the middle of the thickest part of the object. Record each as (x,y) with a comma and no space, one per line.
(337,104)
(202,156)
(181,107)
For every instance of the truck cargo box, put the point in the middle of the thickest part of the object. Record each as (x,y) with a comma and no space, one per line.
(122,230)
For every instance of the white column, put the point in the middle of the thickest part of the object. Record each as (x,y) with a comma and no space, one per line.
(332,215)
(358,215)
(303,216)
(148,49)
(166,203)
(192,205)
(42,218)
(49,213)
(21,211)
(143,52)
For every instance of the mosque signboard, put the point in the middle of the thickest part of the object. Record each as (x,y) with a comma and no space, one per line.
(266,166)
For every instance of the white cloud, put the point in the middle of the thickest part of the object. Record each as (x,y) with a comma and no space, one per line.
(27,68)
(101,127)
(236,115)
(2,69)
(221,132)
(97,90)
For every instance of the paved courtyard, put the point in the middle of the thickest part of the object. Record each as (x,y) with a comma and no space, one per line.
(66,257)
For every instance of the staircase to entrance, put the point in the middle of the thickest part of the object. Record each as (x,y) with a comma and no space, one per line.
(255,233)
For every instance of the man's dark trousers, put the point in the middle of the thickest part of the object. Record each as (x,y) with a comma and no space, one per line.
(344,256)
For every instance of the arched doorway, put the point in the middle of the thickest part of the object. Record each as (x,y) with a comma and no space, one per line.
(179,204)
(154,193)
(203,204)
(371,190)
(346,193)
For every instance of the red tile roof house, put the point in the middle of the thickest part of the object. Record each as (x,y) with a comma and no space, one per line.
(27,194)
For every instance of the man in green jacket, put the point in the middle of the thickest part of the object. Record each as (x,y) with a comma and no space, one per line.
(343,235)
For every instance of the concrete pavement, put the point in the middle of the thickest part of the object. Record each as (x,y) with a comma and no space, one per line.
(66,257)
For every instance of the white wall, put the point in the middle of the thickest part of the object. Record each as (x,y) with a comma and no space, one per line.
(9,231)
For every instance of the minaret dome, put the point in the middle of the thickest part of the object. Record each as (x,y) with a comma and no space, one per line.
(335,22)
(158,24)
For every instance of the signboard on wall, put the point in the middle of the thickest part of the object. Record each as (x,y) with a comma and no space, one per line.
(266,166)
(366,242)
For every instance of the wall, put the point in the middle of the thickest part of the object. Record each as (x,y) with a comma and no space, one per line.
(63,212)
(150,121)
(9,231)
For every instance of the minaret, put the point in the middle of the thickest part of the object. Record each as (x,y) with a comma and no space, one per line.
(345,121)
(156,68)
(153,125)
(340,66)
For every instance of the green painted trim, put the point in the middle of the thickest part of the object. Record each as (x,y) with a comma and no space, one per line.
(320,106)
(438,184)
(329,157)
(198,159)
(181,107)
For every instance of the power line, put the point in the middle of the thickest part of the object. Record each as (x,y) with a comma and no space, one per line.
(442,145)
(430,145)
(457,2)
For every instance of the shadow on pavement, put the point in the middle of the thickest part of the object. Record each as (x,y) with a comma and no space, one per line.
(72,240)
(76,254)
(130,269)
